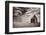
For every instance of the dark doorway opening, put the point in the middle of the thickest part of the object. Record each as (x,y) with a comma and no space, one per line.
(34,19)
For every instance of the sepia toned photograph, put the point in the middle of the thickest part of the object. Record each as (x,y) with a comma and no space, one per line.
(26,17)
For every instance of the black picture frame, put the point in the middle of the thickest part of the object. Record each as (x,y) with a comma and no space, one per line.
(7,17)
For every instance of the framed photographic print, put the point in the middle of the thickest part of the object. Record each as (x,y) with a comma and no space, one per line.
(24,17)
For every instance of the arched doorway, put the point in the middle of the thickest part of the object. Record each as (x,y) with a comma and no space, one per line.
(34,19)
